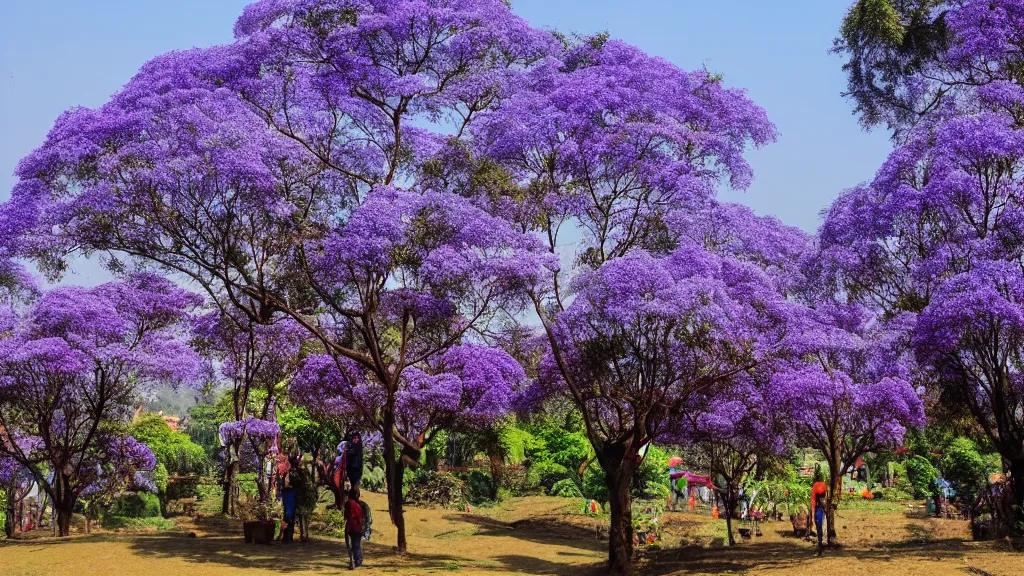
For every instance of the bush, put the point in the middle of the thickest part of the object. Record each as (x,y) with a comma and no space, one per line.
(437,489)
(184,487)
(373,479)
(479,486)
(595,486)
(334,521)
(124,523)
(566,488)
(175,450)
(922,476)
(965,468)
(548,473)
(520,481)
(135,505)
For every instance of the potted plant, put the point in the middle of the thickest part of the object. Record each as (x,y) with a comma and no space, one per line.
(258,525)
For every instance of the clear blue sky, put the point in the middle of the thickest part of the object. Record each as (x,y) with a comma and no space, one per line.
(56,54)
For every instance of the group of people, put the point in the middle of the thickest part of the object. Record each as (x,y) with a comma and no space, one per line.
(679,484)
(297,492)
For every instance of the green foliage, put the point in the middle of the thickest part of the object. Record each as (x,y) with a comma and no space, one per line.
(437,489)
(651,479)
(876,19)
(479,486)
(566,488)
(922,476)
(125,523)
(334,521)
(135,505)
(561,443)
(313,435)
(550,473)
(203,425)
(965,468)
(516,442)
(595,485)
(160,477)
(175,450)
(820,472)
(373,477)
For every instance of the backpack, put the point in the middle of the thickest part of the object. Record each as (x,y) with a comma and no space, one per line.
(367,519)
(354,518)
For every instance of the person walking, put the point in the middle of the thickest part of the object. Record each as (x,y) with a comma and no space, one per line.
(289,499)
(354,460)
(354,529)
(819,519)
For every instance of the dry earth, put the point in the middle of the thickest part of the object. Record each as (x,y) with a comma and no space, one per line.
(525,536)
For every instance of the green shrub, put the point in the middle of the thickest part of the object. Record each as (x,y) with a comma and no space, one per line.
(334,521)
(965,468)
(175,450)
(479,486)
(111,522)
(373,478)
(566,488)
(437,489)
(922,476)
(548,473)
(595,486)
(183,487)
(135,505)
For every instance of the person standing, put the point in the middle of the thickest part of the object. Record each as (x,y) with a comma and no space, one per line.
(354,460)
(818,492)
(289,499)
(354,529)
(677,480)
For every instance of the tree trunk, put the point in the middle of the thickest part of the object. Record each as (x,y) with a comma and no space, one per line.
(9,514)
(835,492)
(64,519)
(729,503)
(1017,479)
(394,472)
(231,479)
(619,473)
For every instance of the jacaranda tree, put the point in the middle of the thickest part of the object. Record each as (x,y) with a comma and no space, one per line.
(937,237)
(608,143)
(71,367)
(280,174)
(851,392)
(256,359)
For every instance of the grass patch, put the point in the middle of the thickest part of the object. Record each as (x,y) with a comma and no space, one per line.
(124,523)
(872,506)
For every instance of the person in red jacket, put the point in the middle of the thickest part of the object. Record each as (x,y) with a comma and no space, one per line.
(354,529)
(818,492)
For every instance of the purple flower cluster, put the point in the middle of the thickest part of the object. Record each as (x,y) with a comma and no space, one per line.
(253,428)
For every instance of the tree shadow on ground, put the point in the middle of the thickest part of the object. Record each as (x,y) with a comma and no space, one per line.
(317,554)
(547,530)
(790,554)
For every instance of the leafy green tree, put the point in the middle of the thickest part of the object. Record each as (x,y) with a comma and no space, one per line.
(922,476)
(885,42)
(175,450)
(965,469)
(203,422)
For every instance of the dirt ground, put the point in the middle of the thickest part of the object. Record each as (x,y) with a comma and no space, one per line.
(527,536)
